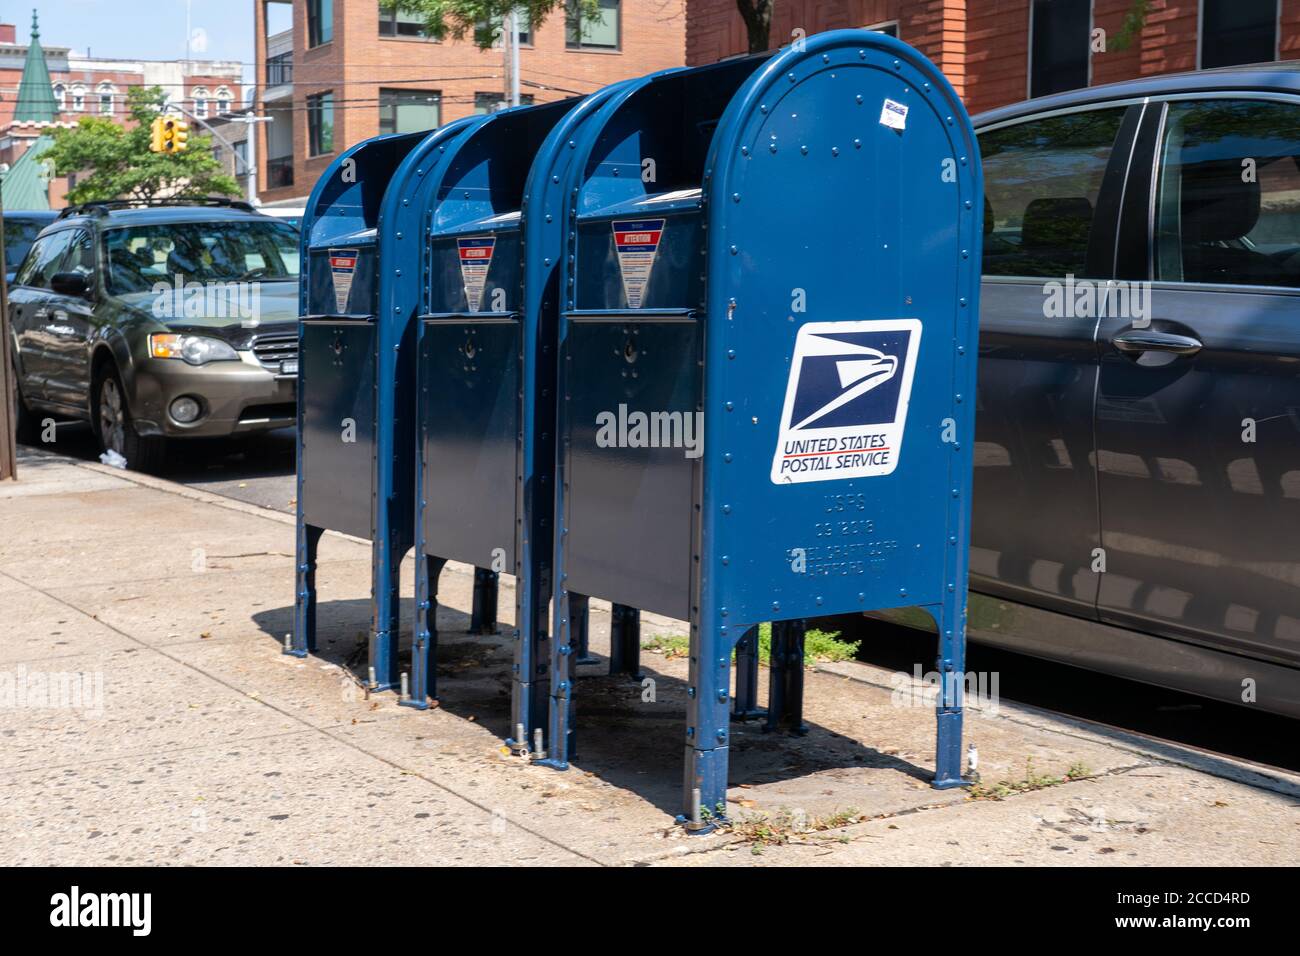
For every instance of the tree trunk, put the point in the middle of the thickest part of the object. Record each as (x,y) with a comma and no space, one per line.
(757,15)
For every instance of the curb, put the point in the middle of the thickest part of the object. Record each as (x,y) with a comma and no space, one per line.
(257,511)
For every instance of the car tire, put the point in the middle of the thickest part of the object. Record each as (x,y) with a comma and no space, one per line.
(116,430)
(27,427)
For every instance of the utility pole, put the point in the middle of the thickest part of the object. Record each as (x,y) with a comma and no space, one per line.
(512,55)
(250,162)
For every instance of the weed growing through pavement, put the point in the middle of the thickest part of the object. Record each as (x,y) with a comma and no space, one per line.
(788,827)
(1032,780)
(818,647)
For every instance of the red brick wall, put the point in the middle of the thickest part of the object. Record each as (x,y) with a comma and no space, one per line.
(997,53)
(982,46)
(358,62)
(938,29)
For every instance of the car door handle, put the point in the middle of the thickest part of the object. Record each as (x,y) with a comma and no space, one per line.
(1152,340)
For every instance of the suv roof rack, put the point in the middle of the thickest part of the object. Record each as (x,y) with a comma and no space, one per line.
(101,207)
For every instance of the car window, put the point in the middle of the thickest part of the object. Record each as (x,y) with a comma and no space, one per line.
(19,236)
(136,257)
(81,255)
(1228,194)
(43,260)
(1041,182)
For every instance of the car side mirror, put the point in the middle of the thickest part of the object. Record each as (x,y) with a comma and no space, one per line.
(70,283)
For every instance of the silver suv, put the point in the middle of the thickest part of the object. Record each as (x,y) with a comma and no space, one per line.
(155,322)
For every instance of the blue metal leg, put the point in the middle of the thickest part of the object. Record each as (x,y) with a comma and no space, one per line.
(483,609)
(744,706)
(952,669)
(562,743)
(424,646)
(385,617)
(304,609)
(707,730)
(578,624)
(625,641)
(785,679)
(530,699)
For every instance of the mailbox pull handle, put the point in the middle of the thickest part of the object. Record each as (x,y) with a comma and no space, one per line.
(1153,340)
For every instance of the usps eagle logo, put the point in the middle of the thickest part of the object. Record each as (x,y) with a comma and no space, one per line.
(846,400)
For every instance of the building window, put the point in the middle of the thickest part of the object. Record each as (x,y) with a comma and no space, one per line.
(320,124)
(495,28)
(78,99)
(491,102)
(279,69)
(394,23)
(600,32)
(1238,31)
(105,92)
(60,96)
(200,95)
(320,22)
(1059,35)
(409,111)
(223,101)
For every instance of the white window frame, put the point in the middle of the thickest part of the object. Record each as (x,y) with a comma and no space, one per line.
(106,89)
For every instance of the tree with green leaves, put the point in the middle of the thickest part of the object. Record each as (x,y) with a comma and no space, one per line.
(121,166)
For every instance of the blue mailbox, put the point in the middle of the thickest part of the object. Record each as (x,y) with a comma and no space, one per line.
(486,384)
(480,452)
(766,369)
(356,428)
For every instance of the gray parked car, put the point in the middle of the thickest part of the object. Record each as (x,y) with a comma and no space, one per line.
(1137,455)
(155,322)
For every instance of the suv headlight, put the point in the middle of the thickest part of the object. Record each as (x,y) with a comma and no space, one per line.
(194,349)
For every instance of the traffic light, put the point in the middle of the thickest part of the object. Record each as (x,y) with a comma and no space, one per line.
(156,135)
(176,135)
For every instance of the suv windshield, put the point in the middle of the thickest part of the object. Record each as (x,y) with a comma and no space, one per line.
(19,236)
(220,251)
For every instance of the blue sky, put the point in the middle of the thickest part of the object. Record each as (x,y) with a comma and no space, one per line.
(143,29)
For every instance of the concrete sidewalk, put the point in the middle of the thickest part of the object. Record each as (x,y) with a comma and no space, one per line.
(148,716)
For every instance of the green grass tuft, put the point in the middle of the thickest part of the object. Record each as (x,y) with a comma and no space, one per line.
(818,646)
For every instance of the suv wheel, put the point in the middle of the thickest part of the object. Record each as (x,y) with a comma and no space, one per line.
(115,429)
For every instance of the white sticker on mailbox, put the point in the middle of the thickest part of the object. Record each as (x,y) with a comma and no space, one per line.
(637,241)
(846,400)
(343,265)
(475,261)
(893,115)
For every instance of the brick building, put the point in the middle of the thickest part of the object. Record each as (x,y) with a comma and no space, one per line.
(331,73)
(996,52)
(45,87)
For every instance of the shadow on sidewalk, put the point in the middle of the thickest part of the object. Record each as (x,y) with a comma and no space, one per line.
(629,742)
